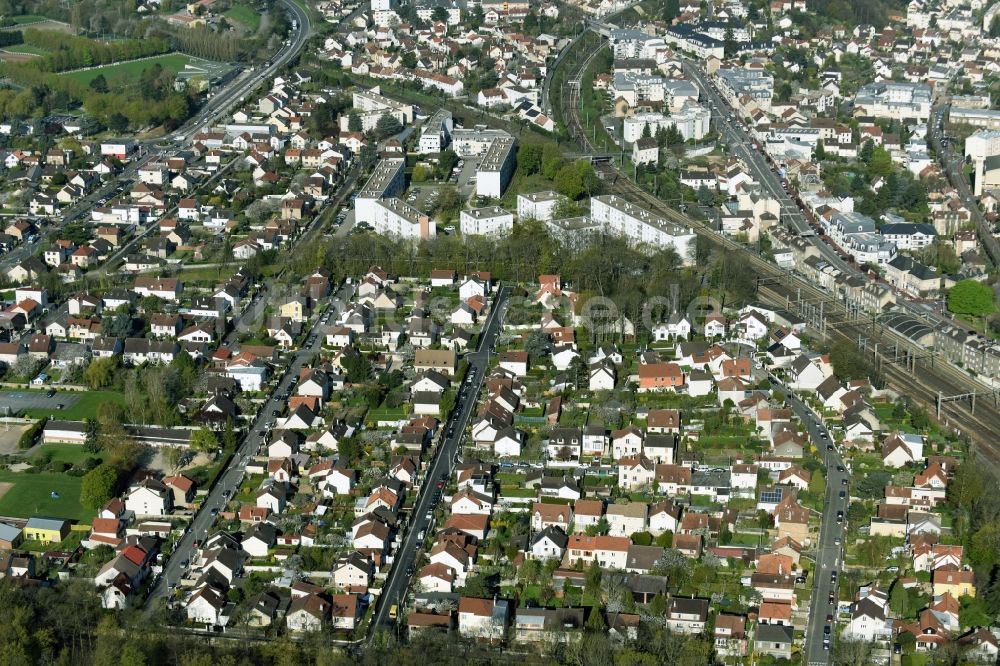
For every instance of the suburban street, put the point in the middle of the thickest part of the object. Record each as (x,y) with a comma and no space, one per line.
(441,466)
(828,551)
(230,480)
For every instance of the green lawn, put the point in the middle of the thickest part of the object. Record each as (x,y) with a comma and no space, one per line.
(85,407)
(244,15)
(175,62)
(29,18)
(26,48)
(31,496)
(70,453)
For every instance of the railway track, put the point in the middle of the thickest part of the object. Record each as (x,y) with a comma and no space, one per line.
(928,377)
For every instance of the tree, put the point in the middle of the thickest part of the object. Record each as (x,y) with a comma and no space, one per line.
(101,372)
(969,297)
(729,43)
(349,449)
(552,160)
(387,126)
(117,122)
(353,122)
(440,14)
(358,368)
(174,457)
(529,158)
(984,547)
(592,582)
(98,486)
(899,600)
(447,160)
(849,362)
(820,151)
(817,484)
(595,622)
(409,59)
(880,164)
(537,344)
(852,653)
(203,440)
(229,438)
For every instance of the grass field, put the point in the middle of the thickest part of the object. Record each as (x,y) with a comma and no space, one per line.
(245,16)
(31,496)
(26,48)
(175,62)
(70,453)
(85,407)
(28,18)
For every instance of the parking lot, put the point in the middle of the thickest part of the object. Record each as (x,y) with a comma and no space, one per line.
(466,182)
(16,401)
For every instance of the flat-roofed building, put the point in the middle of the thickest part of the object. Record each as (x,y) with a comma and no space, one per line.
(496,168)
(640,226)
(488,221)
(387,180)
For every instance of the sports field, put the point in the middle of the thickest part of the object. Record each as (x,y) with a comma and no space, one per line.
(175,62)
(77,405)
(25,495)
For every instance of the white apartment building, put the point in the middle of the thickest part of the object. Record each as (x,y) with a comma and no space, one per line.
(387,180)
(370,106)
(979,146)
(395,217)
(496,168)
(538,205)
(693,121)
(894,99)
(756,84)
(475,141)
(436,132)
(641,226)
(489,221)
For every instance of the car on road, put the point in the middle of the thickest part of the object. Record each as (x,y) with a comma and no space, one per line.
(50,393)
(840,516)
(836,541)
(840,468)
(393,612)
(829,619)
(829,447)
(214,511)
(842,494)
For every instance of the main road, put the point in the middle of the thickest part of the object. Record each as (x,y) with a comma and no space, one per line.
(742,144)
(213,109)
(954,167)
(441,465)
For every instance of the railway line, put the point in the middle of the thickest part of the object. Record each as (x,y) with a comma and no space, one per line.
(925,381)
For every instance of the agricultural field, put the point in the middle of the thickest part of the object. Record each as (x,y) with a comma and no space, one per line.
(175,62)
(248,17)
